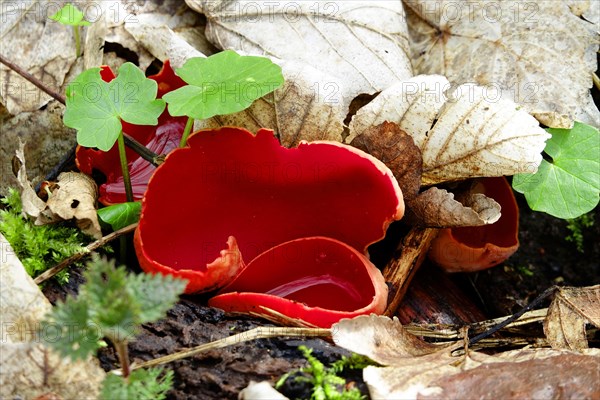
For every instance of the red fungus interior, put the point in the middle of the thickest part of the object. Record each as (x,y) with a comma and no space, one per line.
(230,182)
(316,271)
(502,233)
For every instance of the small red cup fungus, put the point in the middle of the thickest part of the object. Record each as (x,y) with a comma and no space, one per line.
(299,216)
(476,248)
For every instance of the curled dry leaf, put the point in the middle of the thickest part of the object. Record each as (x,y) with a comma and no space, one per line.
(73,196)
(461,132)
(382,339)
(396,149)
(32,204)
(538,54)
(307,107)
(317,33)
(437,208)
(568,314)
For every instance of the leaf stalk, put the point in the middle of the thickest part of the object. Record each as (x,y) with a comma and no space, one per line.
(186,132)
(124,167)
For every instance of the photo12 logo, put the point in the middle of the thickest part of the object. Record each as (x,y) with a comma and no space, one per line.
(41,11)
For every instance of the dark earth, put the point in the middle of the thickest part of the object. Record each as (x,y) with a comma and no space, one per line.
(544,259)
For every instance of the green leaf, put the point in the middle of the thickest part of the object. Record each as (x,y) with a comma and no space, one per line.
(221,84)
(120,215)
(69,15)
(95,108)
(569,186)
(143,384)
(70,331)
(156,294)
(112,306)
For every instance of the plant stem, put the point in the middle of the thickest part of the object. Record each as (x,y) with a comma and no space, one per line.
(77,41)
(125,168)
(186,132)
(123,354)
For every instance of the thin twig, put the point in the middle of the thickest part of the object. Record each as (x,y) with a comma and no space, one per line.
(143,151)
(513,317)
(78,256)
(39,84)
(253,334)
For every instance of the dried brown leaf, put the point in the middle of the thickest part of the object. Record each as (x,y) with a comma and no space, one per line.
(542,374)
(438,208)
(396,149)
(538,54)
(382,339)
(31,203)
(570,310)
(73,197)
(364,44)
(461,132)
(415,369)
(295,111)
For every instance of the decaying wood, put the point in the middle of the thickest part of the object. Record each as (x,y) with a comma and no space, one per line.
(400,270)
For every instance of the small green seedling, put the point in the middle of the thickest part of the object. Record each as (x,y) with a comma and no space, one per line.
(96,108)
(112,304)
(71,15)
(221,84)
(569,185)
(326,384)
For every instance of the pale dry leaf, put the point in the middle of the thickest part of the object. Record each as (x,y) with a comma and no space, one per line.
(161,41)
(437,208)
(170,30)
(396,149)
(461,132)
(568,314)
(73,197)
(542,374)
(260,391)
(22,304)
(32,205)
(538,54)
(382,339)
(307,107)
(363,43)
(40,46)
(30,370)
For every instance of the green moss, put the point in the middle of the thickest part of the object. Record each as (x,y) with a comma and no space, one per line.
(577,227)
(326,384)
(38,247)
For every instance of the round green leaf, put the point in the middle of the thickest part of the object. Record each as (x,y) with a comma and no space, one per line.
(569,185)
(69,15)
(95,108)
(221,84)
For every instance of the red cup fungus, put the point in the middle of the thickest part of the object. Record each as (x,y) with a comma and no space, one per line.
(161,139)
(302,218)
(471,249)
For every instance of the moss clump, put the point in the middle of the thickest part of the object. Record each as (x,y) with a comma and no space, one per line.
(577,227)
(38,247)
